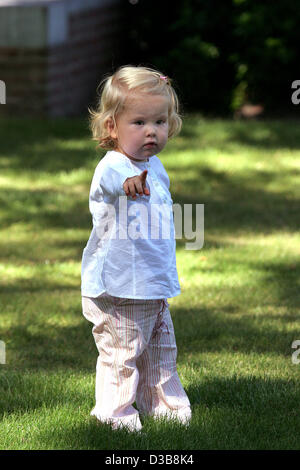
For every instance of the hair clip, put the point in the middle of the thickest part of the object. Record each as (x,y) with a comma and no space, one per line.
(164,77)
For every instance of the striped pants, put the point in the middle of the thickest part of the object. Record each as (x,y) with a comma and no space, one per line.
(137,361)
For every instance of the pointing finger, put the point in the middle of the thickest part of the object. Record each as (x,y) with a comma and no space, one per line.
(143,176)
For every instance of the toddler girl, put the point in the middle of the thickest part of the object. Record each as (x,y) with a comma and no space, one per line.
(129,265)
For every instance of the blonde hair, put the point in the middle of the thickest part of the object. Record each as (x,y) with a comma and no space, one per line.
(114,91)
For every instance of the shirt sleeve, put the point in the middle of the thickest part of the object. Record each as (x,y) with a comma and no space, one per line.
(112,180)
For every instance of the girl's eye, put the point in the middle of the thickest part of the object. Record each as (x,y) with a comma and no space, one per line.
(160,121)
(139,123)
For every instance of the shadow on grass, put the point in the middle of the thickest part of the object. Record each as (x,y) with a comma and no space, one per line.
(235,412)
(248,393)
(93,436)
(232,205)
(232,413)
(219,330)
(52,347)
(25,391)
(239,205)
(43,209)
(32,144)
(198,330)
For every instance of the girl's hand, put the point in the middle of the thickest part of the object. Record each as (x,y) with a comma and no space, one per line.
(136,184)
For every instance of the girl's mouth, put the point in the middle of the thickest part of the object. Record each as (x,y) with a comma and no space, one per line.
(150,145)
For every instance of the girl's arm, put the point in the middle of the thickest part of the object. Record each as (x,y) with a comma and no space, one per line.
(123,183)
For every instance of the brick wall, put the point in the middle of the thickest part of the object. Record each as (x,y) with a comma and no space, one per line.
(24,72)
(60,79)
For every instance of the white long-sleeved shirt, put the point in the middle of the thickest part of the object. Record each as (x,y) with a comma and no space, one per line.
(131,251)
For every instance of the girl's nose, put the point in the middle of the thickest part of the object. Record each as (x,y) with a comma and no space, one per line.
(150,131)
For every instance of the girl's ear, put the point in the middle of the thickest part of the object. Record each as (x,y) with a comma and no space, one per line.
(111,128)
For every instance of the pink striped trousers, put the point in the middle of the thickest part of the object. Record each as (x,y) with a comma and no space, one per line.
(137,361)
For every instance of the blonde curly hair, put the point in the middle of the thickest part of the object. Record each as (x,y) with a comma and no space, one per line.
(114,91)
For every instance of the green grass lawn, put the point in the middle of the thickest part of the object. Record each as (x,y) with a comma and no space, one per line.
(235,319)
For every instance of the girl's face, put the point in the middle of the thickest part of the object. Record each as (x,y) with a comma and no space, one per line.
(142,127)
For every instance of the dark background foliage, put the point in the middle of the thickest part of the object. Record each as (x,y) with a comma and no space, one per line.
(219,53)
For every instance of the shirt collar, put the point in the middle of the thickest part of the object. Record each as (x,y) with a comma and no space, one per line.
(142,162)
